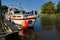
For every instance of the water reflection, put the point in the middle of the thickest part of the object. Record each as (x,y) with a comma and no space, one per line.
(29,35)
(58,25)
(37,25)
(48,29)
(44,29)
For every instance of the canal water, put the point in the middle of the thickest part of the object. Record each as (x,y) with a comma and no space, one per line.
(47,29)
(43,30)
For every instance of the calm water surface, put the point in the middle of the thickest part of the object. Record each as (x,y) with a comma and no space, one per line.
(43,30)
(47,30)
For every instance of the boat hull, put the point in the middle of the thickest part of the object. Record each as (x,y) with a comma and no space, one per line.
(21,20)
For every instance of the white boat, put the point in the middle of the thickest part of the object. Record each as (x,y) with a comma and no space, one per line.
(19,16)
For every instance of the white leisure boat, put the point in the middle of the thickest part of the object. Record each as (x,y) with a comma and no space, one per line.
(19,16)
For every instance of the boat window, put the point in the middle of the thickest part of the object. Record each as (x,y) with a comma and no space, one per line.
(14,16)
(23,12)
(18,16)
(25,15)
(35,12)
(16,12)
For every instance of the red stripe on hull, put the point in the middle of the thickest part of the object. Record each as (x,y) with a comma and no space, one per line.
(21,19)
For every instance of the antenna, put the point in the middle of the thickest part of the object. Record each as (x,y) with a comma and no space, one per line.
(20,5)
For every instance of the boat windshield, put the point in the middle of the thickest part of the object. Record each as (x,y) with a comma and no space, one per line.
(16,12)
(24,12)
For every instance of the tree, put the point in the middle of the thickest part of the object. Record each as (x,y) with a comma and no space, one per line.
(58,7)
(4,8)
(48,8)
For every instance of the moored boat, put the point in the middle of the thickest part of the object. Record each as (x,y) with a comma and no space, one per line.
(19,16)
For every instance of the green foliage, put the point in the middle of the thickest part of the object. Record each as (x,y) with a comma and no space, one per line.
(47,20)
(48,8)
(4,7)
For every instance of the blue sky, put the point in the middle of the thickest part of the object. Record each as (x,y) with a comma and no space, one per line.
(27,5)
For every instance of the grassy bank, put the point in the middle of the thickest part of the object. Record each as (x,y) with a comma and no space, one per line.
(47,20)
(58,22)
(48,16)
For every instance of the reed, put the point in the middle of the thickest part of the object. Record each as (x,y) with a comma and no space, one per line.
(47,20)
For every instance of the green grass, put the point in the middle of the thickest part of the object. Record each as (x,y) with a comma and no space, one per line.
(48,16)
(47,20)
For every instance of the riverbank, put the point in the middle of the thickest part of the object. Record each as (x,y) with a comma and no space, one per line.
(48,16)
(49,19)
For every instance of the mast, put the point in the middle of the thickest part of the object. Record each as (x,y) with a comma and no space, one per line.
(20,5)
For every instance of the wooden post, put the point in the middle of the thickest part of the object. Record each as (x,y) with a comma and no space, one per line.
(1,17)
(0,7)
